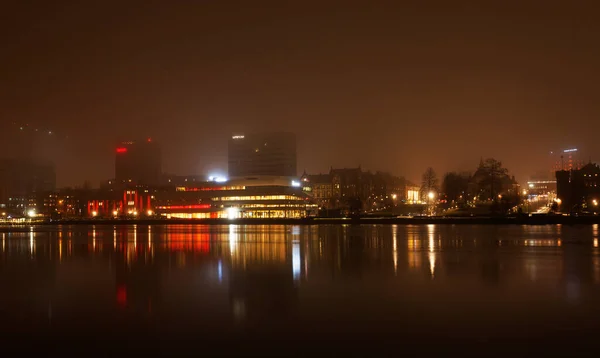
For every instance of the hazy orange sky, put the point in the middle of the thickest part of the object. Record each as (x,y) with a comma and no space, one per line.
(386,84)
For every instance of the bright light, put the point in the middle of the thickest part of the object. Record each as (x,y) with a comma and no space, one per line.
(394,196)
(531,185)
(295,184)
(115,213)
(217,178)
(134,213)
(31,213)
(94,213)
(431,195)
(595,202)
(237,137)
(558,201)
(3,214)
(233,213)
(570,150)
(524,192)
(296,261)
(150,213)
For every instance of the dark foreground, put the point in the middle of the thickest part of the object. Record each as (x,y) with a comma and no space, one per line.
(289,290)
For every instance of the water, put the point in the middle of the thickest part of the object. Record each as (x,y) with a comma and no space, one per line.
(298,290)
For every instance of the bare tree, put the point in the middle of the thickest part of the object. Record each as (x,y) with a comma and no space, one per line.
(429,183)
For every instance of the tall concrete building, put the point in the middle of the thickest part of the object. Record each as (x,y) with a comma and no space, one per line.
(272,153)
(22,180)
(138,162)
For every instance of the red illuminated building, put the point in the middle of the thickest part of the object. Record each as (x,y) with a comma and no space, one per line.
(132,202)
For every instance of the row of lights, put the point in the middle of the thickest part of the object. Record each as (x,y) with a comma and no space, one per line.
(130,212)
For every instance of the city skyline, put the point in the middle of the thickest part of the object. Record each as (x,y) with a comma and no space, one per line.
(389,86)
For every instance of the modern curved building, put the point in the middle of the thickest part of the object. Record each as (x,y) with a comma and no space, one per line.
(261,197)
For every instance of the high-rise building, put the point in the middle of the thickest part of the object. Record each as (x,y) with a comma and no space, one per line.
(22,181)
(568,159)
(138,162)
(272,154)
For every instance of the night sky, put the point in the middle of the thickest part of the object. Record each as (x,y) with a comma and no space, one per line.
(387,85)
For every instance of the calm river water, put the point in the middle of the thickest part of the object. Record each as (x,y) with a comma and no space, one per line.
(301,290)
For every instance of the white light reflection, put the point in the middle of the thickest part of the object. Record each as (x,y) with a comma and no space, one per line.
(220,271)
(296,260)
(94,238)
(232,239)
(149,238)
(115,239)
(3,241)
(432,258)
(395,247)
(296,230)
(595,233)
(31,244)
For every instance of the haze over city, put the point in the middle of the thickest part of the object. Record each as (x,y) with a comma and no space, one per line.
(386,85)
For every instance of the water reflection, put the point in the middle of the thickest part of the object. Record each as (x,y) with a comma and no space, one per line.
(237,274)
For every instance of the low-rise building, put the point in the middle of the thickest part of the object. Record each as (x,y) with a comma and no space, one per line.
(261,197)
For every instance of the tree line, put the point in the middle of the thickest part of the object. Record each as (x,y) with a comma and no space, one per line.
(489,182)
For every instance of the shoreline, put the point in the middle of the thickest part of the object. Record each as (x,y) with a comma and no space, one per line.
(524,220)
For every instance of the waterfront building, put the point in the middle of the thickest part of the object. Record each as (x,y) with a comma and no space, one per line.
(578,189)
(262,197)
(262,154)
(23,182)
(138,162)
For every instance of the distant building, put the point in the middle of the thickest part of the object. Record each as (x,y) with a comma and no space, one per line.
(540,192)
(24,184)
(319,186)
(353,188)
(262,154)
(567,159)
(138,162)
(578,189)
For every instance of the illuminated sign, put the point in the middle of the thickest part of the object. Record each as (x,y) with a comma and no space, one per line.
(570,150)
(237,137)
(121,150)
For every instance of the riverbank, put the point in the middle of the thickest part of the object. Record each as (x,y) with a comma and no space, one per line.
(523,220)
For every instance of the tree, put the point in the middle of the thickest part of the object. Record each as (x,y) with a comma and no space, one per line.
(455,186)
(491,178)
(429,183)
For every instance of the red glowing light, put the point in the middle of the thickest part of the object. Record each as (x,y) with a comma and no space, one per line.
(122,295)
(149,140)
(121,150)
(175,207)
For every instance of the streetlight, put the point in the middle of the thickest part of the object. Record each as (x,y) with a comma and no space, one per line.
(31,213)
(430,196)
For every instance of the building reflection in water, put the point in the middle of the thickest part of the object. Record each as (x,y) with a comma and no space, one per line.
(414,248)
(431,246)
(259,271)
(395,248)
(596,255)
